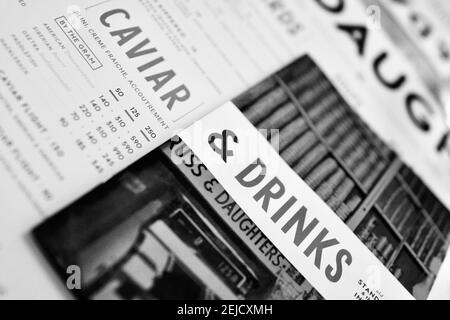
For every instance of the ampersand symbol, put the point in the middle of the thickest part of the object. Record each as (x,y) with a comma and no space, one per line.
(223,150)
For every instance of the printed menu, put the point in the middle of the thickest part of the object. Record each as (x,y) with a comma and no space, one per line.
(89,87)
(293,171)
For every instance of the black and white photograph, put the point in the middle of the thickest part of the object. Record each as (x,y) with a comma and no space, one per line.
(146,231)
(232,152)
(381,199)
(150,224)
